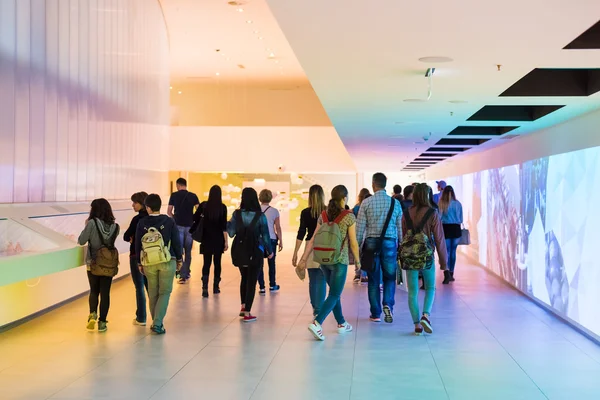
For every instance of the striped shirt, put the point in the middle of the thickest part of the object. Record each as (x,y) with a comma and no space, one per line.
(372,214)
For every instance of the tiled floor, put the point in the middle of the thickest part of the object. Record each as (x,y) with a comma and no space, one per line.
(489,343)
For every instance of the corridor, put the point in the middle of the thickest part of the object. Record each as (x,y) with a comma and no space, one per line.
(489,343)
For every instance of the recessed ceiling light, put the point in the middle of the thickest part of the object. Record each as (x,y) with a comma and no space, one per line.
(256,32)
(435,59)
(240,10)
(249,21)
(260,38)
(458,101)
(218,73)
(272,55)
(276,61)
(179,92)
(414,100)
(170,87)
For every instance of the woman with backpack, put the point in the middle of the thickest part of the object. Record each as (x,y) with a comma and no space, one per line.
(100,233)
(336,231)
(317,287)
(250,230)
(212,214)
(452,218)
(422,218)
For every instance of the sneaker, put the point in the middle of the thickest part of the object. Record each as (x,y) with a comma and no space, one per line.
(243,312)
(374,319)
(388,314)
(250,318)
(102,326)
(262,292)
(182,281)
(316,330)
(426,324)
(216,290)
(364,279)
(205,293)
(418,331)
(357,278)
(158,330)
(91,324)
(344,328)
(138,323)
(274,288)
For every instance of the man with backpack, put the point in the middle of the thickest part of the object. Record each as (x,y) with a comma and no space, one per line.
(379,231)
(159,255)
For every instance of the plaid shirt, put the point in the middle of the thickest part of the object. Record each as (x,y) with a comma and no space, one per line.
(371,218)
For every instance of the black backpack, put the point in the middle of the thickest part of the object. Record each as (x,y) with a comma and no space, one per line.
(245,249)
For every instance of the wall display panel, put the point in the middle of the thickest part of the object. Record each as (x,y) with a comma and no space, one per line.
(534,224)
(84,99)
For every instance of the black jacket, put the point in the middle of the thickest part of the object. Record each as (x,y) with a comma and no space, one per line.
(129,235)
(166,226)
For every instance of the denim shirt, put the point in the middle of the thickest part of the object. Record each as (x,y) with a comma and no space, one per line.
(454,215)
(262,228)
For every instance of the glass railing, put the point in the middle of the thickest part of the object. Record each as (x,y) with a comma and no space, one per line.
(16,239)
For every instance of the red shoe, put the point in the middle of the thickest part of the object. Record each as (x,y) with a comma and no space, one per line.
(250,318)
(242,312)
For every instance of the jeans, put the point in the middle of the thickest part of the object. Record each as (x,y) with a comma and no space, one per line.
(385,268)
(335,275)
(185,237)
(208,258)
(272,271)
(248,284)
(141,287)
(99,287)
(451,245)
(160,285)
(412,278)
(317,288)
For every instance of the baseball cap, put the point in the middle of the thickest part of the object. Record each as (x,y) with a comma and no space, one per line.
(442,184)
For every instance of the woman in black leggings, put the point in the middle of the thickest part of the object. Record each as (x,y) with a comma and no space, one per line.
(213,214)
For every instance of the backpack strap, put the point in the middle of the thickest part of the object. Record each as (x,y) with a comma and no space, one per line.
(426,217)
(341,216)
(257,216)
(324,217)
(408,220)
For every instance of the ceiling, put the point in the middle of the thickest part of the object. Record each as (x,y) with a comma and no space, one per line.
(362,59)
(211,40)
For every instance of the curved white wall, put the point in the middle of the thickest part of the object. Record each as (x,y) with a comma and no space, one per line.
(84,99)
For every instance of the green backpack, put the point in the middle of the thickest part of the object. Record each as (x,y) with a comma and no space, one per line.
(328,241)
(154,251)
(416,249)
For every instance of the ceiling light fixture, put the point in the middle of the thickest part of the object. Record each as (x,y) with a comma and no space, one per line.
(240,10)
(170,87)
(260,38)
(256,32)
(218,73)
(272,55)
(179,92)
(249,21)
(435,59)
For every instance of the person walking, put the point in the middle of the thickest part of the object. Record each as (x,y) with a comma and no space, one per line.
(181,209)
(139,280)
(159,255)
(451,212)
(249,228)
(317,287)
(336,270)
(381,242)
(100,232)
(212,214)
(425,217)
(359,276)
(273,220)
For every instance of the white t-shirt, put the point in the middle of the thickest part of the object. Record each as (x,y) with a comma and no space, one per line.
(272,214)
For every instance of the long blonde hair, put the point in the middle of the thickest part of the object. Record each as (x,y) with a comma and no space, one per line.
(316,200)
(447,197)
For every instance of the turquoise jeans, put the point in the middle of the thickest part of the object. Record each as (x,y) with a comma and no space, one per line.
(335,276)
(160,285)
(412,278)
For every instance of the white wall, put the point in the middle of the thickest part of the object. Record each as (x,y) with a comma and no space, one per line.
(576,134)
(258,149)
(84,99)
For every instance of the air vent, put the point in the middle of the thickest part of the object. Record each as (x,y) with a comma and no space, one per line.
(481,130)
(588,40)
(513,113)
(461,142)
(508,137)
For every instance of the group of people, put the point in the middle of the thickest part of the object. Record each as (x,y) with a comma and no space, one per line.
(371,231)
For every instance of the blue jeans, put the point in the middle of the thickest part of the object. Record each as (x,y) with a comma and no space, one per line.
(272,270)
(451,245)
(335,275)
(160,285)
(412,283)
(185,237)
(317,288)
(141,287)
(385,268)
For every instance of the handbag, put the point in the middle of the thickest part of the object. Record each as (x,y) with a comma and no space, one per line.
(465,237)
(368,256)
(106,262)
(198,232)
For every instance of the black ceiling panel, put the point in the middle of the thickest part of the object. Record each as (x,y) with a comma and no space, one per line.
(438,155)
(461,142)
(429,159)
(556,82)
(422,163)
(481,130)
(589,39)
(448,149)
(513,113)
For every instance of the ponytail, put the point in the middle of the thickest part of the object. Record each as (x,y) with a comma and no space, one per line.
(334,208)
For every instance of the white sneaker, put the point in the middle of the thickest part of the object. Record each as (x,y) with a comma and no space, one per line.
(346,327)
(316,330)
